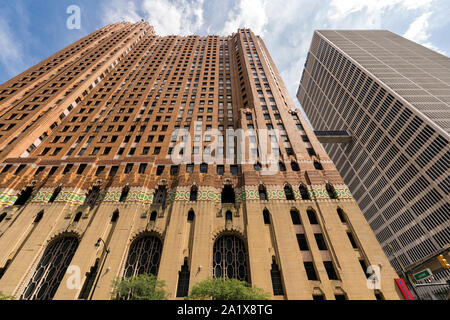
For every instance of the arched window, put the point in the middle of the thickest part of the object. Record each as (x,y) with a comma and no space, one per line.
(341,215)
(160,196)
(288,192)
(266,216)
(262,192)
(183,280)
(228,216)
(331,191)
(294,166)
(124,194)
(144,256)
(3,216)
(194,194)
(230,258)
(24,196)
(312,216)
(51,269)
(228,195)
(92,196)
(115,216)
(277,283)
(304,192)
(55,194)
(281,166)
(153,216)
(191,215)
(295,216)
(39,216)
(318,166)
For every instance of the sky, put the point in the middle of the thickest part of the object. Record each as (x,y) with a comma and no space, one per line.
(32,30)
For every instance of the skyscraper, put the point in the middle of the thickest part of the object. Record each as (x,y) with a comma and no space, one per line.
(393,97)
(182,157)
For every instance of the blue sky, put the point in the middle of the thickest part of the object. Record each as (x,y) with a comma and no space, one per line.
(31,30)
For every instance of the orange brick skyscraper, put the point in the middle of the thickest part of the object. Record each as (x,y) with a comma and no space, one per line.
(91,183)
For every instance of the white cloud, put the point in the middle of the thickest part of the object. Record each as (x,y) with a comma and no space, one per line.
(418,31)
(180,17)
(10,54)
(250,14)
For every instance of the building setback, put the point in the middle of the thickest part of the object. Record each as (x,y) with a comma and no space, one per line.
(393,96)
(87,142)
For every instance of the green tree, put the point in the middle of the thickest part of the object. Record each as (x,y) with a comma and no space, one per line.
(226,289)
(4,297)
(140,287)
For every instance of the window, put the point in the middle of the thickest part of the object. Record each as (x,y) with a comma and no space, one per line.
(312,216)
(340,297)
(304,192)
(55,194)
(230,258)
(124,194)
(352,240)
(228,195)
(341,215)
(295,216)
(310,271)
(317,165)
(189,168)
(193,194)
(81,168)
(329,267)
(266,216)
(294,166)
(281,166)
(302,243)
(277,284)
(24,196)
(220,170)
(331,191)
(183,280)
(320,241)
(144,256)
(174,170)
(228,216)
(142,168)
(288,192)
(318,297)
(262,193)
(203,168)
(54,262)
(159,170)
(191,216)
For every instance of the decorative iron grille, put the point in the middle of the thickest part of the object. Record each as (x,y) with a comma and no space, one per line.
(51,269)
(230,258)
(144,256)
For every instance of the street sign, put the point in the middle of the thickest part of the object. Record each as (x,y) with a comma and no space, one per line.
(424,274)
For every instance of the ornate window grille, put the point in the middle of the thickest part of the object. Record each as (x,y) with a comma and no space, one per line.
(230,258)
(51,269)
(144,256)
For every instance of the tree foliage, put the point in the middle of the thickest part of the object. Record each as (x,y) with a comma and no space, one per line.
(5,297)
(140,287)
(226,289)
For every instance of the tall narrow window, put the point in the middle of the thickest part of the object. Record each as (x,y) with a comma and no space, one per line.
(317,165)
(89,282)
(294,166)
(39,216)
(277,283)
(160,196)
(230,258)
(183,280)
(153,216)
(124,194)
(115,216)
(3,216)
(77,216)
(341,215)
(92,196)
(24,196)
(228,195)
(51,269)
(295,217)
(302,243)
(228,216)
(320,241)
(193,194)
(55,194)
(281,166)
(204,168)
(266,216)
(364,267)
(331,191)
(329,267)
(289,193)
(312,216)
(310,271)
(262,192)
(144,256)
(191,216)
(352,240)
(304,192)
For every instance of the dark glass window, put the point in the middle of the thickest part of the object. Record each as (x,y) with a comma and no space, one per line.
(183,281)
(310,271)
(144,256)
(302,243)
(277,283)
(266,216)
(230,258)
(295,216)
(289,193)
(329,267)
(320,241)
(312,217)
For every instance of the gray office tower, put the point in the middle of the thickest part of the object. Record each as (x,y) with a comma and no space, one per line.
(392,96)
